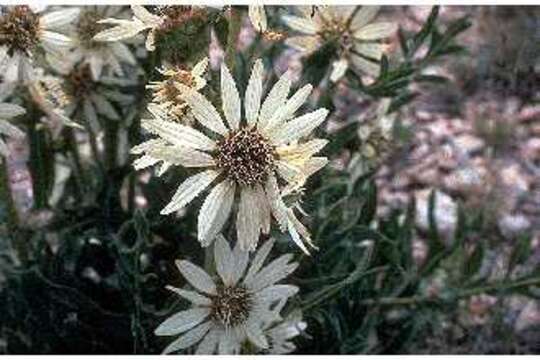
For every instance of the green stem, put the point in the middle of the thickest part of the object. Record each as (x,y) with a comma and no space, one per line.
(235,25)
(7,198)
(413,300)
(80,174)
(6,194)
(41,160)
(111,144)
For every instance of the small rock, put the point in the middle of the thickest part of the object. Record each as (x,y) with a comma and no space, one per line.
(469,144)
(445,212)
(513,225)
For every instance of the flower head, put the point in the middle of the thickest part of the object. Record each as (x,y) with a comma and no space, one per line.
(99,55)
(167,95)
(24,32)
(166,19)
(236,307)
(357,39)
(256,157)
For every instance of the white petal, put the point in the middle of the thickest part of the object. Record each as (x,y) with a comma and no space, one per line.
(306,44)
(275,100)
(275,292)
(256,335)
(104,107)
(376,31)
(365,66)
(144,161)
(230,98)
(188,339)
(179,134)
(192,296)
(277,270)
(9,130)
(257,15)
(126,30)
(8,111)
(91,116)
(96,65)
(291,106)
(196,276)
(299,127)
(208,345)
(183,156)
(259,260)
(248,220)
(203,110)
(145,16)
(364,16)
(339,68)
(241,259)
(224,260)
(303,25)
(54,39)
(189,190)
(182,321)
(252,101)
(200,68)
(59,18)
(122,52)
(215,211)
(371,50)
(277,206)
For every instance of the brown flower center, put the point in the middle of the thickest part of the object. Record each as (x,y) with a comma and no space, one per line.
(88,27)
(19,30)
(246,156)
(231,305)
(176,15)
(79,82)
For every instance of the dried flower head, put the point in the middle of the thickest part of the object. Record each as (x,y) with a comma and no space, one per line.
(349,28)
(167,95)
(166,19)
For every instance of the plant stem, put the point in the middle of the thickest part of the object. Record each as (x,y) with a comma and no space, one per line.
(40,164)
(7,198)
(413,300)
(235,25)
(12,214)
(80,175)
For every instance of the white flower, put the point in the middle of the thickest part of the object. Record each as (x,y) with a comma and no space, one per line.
(99,55)
(358,39)
(47,92)
(234,309)
(7,112)
(90,99)
(242,157)
(167,95)
(24,32)
(143,20)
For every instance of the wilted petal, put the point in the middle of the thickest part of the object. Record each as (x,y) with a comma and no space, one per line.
(303,25)
(252,101)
